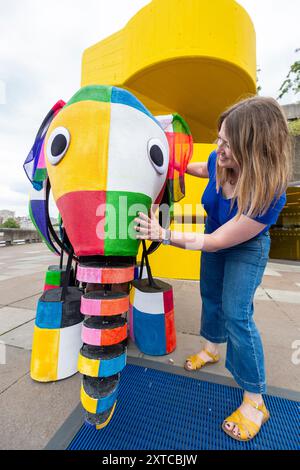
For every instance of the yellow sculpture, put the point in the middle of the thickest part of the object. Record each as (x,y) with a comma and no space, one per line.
(187,56)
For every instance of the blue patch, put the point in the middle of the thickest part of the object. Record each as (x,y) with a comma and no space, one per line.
(103,404)
(121,96)
(153,342)
(49,315)
(112,366)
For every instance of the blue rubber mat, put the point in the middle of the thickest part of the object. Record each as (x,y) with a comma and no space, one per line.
(163,411)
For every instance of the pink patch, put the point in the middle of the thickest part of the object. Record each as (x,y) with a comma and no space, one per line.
(91,275)
(42,162)
(90,306)
(90,336)
(131,329)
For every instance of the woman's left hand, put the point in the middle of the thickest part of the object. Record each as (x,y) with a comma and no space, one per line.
(148,228)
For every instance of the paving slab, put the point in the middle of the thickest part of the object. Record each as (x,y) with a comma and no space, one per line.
(271,272)
(291,311)
(286,281)
(20,337)
(275,327)
(187,303)
(29,303)
(32,412)
(292,297)
(285,267)
(16,367)
(20,288)
(281,371)
(12,317)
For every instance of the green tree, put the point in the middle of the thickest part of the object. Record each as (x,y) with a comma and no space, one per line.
(10,223)
(294,127)
(292,81)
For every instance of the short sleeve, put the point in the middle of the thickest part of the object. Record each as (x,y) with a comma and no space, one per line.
(270,217)
(211,164)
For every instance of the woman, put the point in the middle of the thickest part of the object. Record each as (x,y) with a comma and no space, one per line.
(248,176)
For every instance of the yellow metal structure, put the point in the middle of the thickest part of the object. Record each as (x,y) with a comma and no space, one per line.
(187,56)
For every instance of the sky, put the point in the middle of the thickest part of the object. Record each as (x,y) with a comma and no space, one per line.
(41,46)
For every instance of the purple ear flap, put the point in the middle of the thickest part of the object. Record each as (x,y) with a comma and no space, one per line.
(34,165)
(35,169)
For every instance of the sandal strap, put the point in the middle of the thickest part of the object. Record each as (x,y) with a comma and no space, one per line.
(196,361)
(212,356)
(246,427)
(261,407)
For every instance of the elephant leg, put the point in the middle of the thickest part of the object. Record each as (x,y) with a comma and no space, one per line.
(104,334)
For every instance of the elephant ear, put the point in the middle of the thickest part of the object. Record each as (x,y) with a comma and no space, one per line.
(35,165)
(180,150)
(35,169)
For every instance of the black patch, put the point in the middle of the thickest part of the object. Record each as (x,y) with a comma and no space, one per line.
(103,352)
(156,155)
(98,388)
(105,323)
(59,145)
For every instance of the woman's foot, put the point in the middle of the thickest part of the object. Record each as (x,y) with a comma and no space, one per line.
(207,355)
(252,409)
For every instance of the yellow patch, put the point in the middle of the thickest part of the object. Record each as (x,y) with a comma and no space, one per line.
(84,166)
(44,357)
(88,403)
(88,366)
(103,425)
(131,296)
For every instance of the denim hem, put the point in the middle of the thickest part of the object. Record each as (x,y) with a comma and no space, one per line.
(260,388)
(212,339)
(254,351)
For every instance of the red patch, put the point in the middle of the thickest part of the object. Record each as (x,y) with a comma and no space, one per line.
(83,214)
(170,332)
(49,287)
(168,301)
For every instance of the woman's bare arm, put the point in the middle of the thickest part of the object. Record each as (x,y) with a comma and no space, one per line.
(198,169)
(234,232)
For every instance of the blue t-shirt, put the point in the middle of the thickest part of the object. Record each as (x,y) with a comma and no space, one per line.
(218,208)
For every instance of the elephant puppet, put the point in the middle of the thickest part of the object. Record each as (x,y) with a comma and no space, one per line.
(105,157)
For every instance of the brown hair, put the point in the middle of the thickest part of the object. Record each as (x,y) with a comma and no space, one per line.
(257,132)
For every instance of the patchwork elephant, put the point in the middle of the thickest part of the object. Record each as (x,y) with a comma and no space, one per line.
(105,157)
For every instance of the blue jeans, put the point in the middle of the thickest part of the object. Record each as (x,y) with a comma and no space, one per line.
(229,279)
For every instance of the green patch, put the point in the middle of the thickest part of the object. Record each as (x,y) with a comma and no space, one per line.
(99,93)
(53,278)
(121,210)
(40,174)
(180,125)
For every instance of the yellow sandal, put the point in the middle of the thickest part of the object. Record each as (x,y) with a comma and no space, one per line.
(198,363)
(247,429)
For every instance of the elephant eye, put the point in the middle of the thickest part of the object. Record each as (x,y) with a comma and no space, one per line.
(58,145)
(158,155)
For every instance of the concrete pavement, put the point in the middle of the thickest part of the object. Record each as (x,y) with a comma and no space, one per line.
(32,412)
